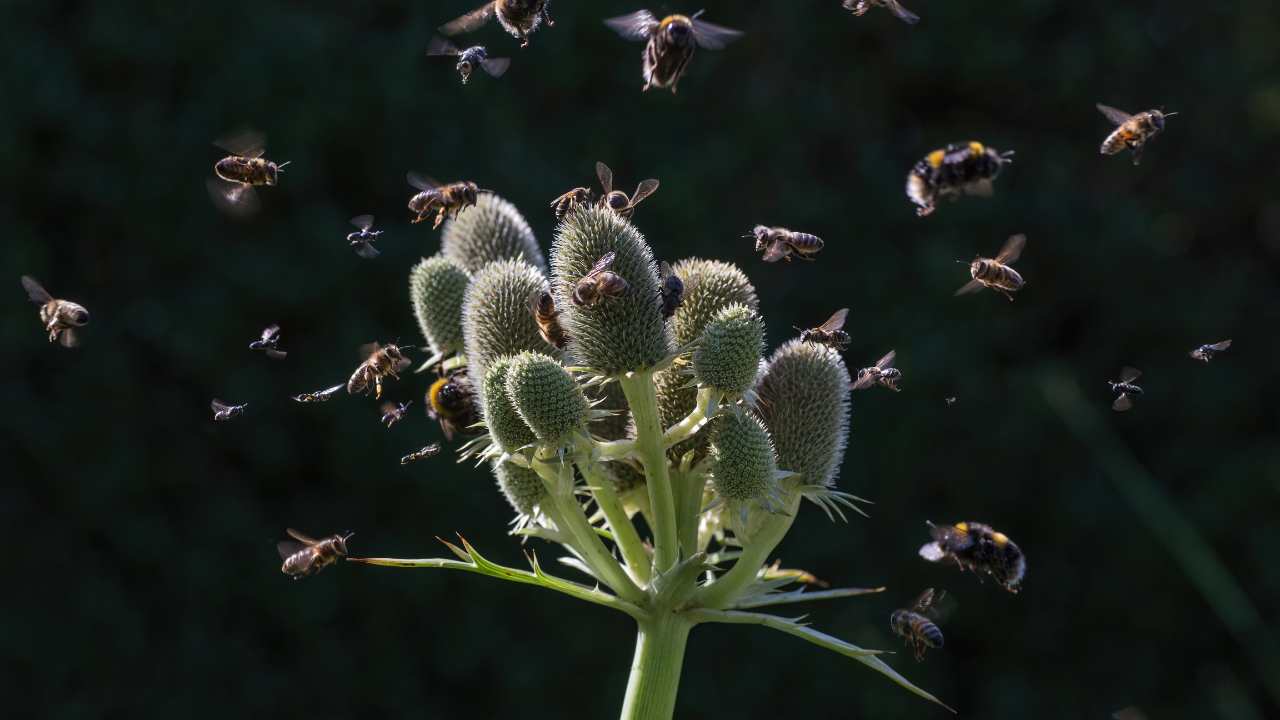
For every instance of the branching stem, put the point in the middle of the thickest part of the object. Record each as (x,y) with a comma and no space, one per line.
(643,400)
(755,553)
(624,532)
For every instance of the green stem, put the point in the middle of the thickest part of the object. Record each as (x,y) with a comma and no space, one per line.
(655,670)
(624,532)
(643,400)
(755,553)
(688,488)
(708,401)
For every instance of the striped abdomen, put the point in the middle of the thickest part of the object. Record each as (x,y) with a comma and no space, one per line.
(996,274)
(917,627)
(803,243)
(665,61)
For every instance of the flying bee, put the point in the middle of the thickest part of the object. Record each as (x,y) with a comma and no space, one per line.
(977,547)
(60,317)
(780,243)
(242,170)
(518,17)
(451,402)
(309,556)
(669,43)
(599,283)
(380,362)
(957,169)
(1132,131)
(950,401)
(269,343)
(995,273)
(428,451)
(830,333)
(224,411)
(671,289)
(393,413)
(320,395)
(860,8)
(882,373)
(1205,353)
(547,316)
(618,201)
(469,59)
(1126,389)
(444,200)
(362,239)
(916,626)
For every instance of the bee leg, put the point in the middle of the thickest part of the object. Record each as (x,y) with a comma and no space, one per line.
(377,387)
(1006,293)
(439,218)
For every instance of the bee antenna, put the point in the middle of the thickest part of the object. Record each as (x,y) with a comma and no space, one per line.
(280,166)
(1170,114)
(697,14)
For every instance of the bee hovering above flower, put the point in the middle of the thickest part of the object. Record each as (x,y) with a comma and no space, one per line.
(957,169)
(226,411)
(380,361)
(362,240)
(518,17)
(469,58)
(1132,131)
(308,556)
(444,200)
(60,317)
(830,333)
(269,343)
(781,244)
(883,373)
(670,42)
(241,171)
(860,8)
(1205,353)
(995,273)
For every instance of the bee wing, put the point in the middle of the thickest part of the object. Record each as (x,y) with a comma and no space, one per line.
(275,354)
(271,332)
(330,392)
(441,46)
(776,251)
(638,25)
(644,190)
(496,67)
(68,338)
(471,21)
(901,13)
(364,222)
(422,182)
(387,408)
(368,349)
(35,291)
(969,287)
(606,177)
(980,188)
(1012,249)
(232,198)
(1119,117)
(836,321)
(711,36)
(1220,346)
(602,264)
(864,381)
(300,537)
(245,143)
(288,547)
(403,363)
(218,406)
(1129,374)
(1122,403)
(925,601)
(886,362)
(367,251)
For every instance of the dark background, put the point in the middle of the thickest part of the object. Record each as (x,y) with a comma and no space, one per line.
(141,578)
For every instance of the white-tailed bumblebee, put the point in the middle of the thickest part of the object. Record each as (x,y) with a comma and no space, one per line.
(518,17)
(60,317)
(830,333)
(1132,131)
(960,168)
(1124,388)
(995,273)
(977,547)
(451,402)
(670,42)
(308,556)
(1205,353)
(468,58)
(915,624)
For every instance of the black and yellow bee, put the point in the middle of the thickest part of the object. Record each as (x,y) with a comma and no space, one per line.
(60,317)
(995,273)
(308,556)
(670,42)
(518,17)
(451,402)
(380,361)
(957,169)
(978,547)
(241,171)
(915,624)
(779,243)
(1132,131)
(445,200)
(860,8)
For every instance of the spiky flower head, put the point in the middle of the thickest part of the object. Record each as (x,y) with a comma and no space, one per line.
(436,287)
(709,287)
(496,320)
(547,397)
(744,470)
(521,486)
(728,355)
(505,425)
(804,400)
(617,334)
(491,230)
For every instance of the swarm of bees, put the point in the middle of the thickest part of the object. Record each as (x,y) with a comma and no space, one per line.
(269,343)
(518,17)
(443,200)
(1205,353)
(883,373)
(363,238)
(547,316)
(977,547)
(599,283)
(957,169)
(995,273)
(669,43)
(1132,131)
(241,171)
(860,8)
(616,200)
(60,317)
(226,411)
(451,402)
(1124,389)
(305,556)
(778,243)
(915,625)
(380,362)
(468,58)
(830,333)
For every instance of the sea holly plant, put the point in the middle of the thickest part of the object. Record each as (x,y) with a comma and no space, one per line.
(679,421)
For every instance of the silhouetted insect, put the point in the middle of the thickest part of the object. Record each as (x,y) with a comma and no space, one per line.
(451,402)
(518,17)
(957,169)
(618,201)
(779,243)
(995,273)
(309,556)
(241,171)
(1125,388)
(1132,131)
(393,413)
(428,451)
(320,395)
(915,625)
(860,8)
(1205,353)
(830,333)
(599,283)
(223,411)
(669,43)
(60,317)
(380,362)
(269,343)
(950,401)
(671,289)
(978,547)
(443,200)
(547,316)
(362,239)
(882,373)
(469,58)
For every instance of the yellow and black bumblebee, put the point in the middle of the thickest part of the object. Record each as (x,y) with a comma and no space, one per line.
(670,42)
(1132,131)
(451,402)
(980,548)
(957,169)
(520,18)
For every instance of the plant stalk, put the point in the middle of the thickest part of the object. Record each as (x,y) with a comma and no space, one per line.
(624,532)
(755,553)
(655,669)
(651,450)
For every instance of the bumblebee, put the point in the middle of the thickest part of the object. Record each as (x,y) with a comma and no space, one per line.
(451,402)
(995,273)
(242,170)
(469,58)
(380,362)
(362,239)
(671,289)
(882,373)
(547,317)
(669,43)
(599,283)
(860,8)
(977,547)
(319,395)
(444,200)
(1205,353)
(779,243)
(518,17)
(60,317)
(269,343)
(1132,131)
(960,168)
(225,411)
(916,626)
(1125,389)
(308,556)
(830,333)
(428,451)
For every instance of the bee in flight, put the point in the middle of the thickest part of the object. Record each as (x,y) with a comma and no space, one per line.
(320,395)
(618,201)
(269,343)
(995,273)
(393,413)
(444,200)
(362,239)
(957,169)
(547,316)
(380,362)
(518,17)
(308,556)
(830,333)
(977,547)
(225,411)
(883,373)
(428,451)
(1205,353)
(779,243)
(860,8)
(669,43)
(915,625)
(950,401)
(671,289)
(468,59)
(60,317)
(1125,388)
(1132,131)
(241,171)
(451,402)
(599,283)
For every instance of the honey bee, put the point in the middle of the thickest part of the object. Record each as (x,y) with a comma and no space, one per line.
(547,316)
(780,243)
(393,413)
(518,17)
(618,201)
(860,8)
(977,547)
(320,395)
(1126,389)
(241,171)
(1205,353)
(469,59)
(599,283)
(379,362)
(830,333)
(1132,131)
(882,373)
(995,273)
(362,239)
(916,626)
(225,411)
(444,200)
(958,169)
(669,43)
(570,200)
(60,317)
(309,556)
(269,343)
(671,289)
(451,402)
(428,451)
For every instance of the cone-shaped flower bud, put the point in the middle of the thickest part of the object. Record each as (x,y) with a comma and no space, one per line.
(709,287)
(616,333)
(744,469)
(728,356)
(436,287)
(521,486)
(496,320)
(506,426)
(804,400)
(492,230)
(547,397)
